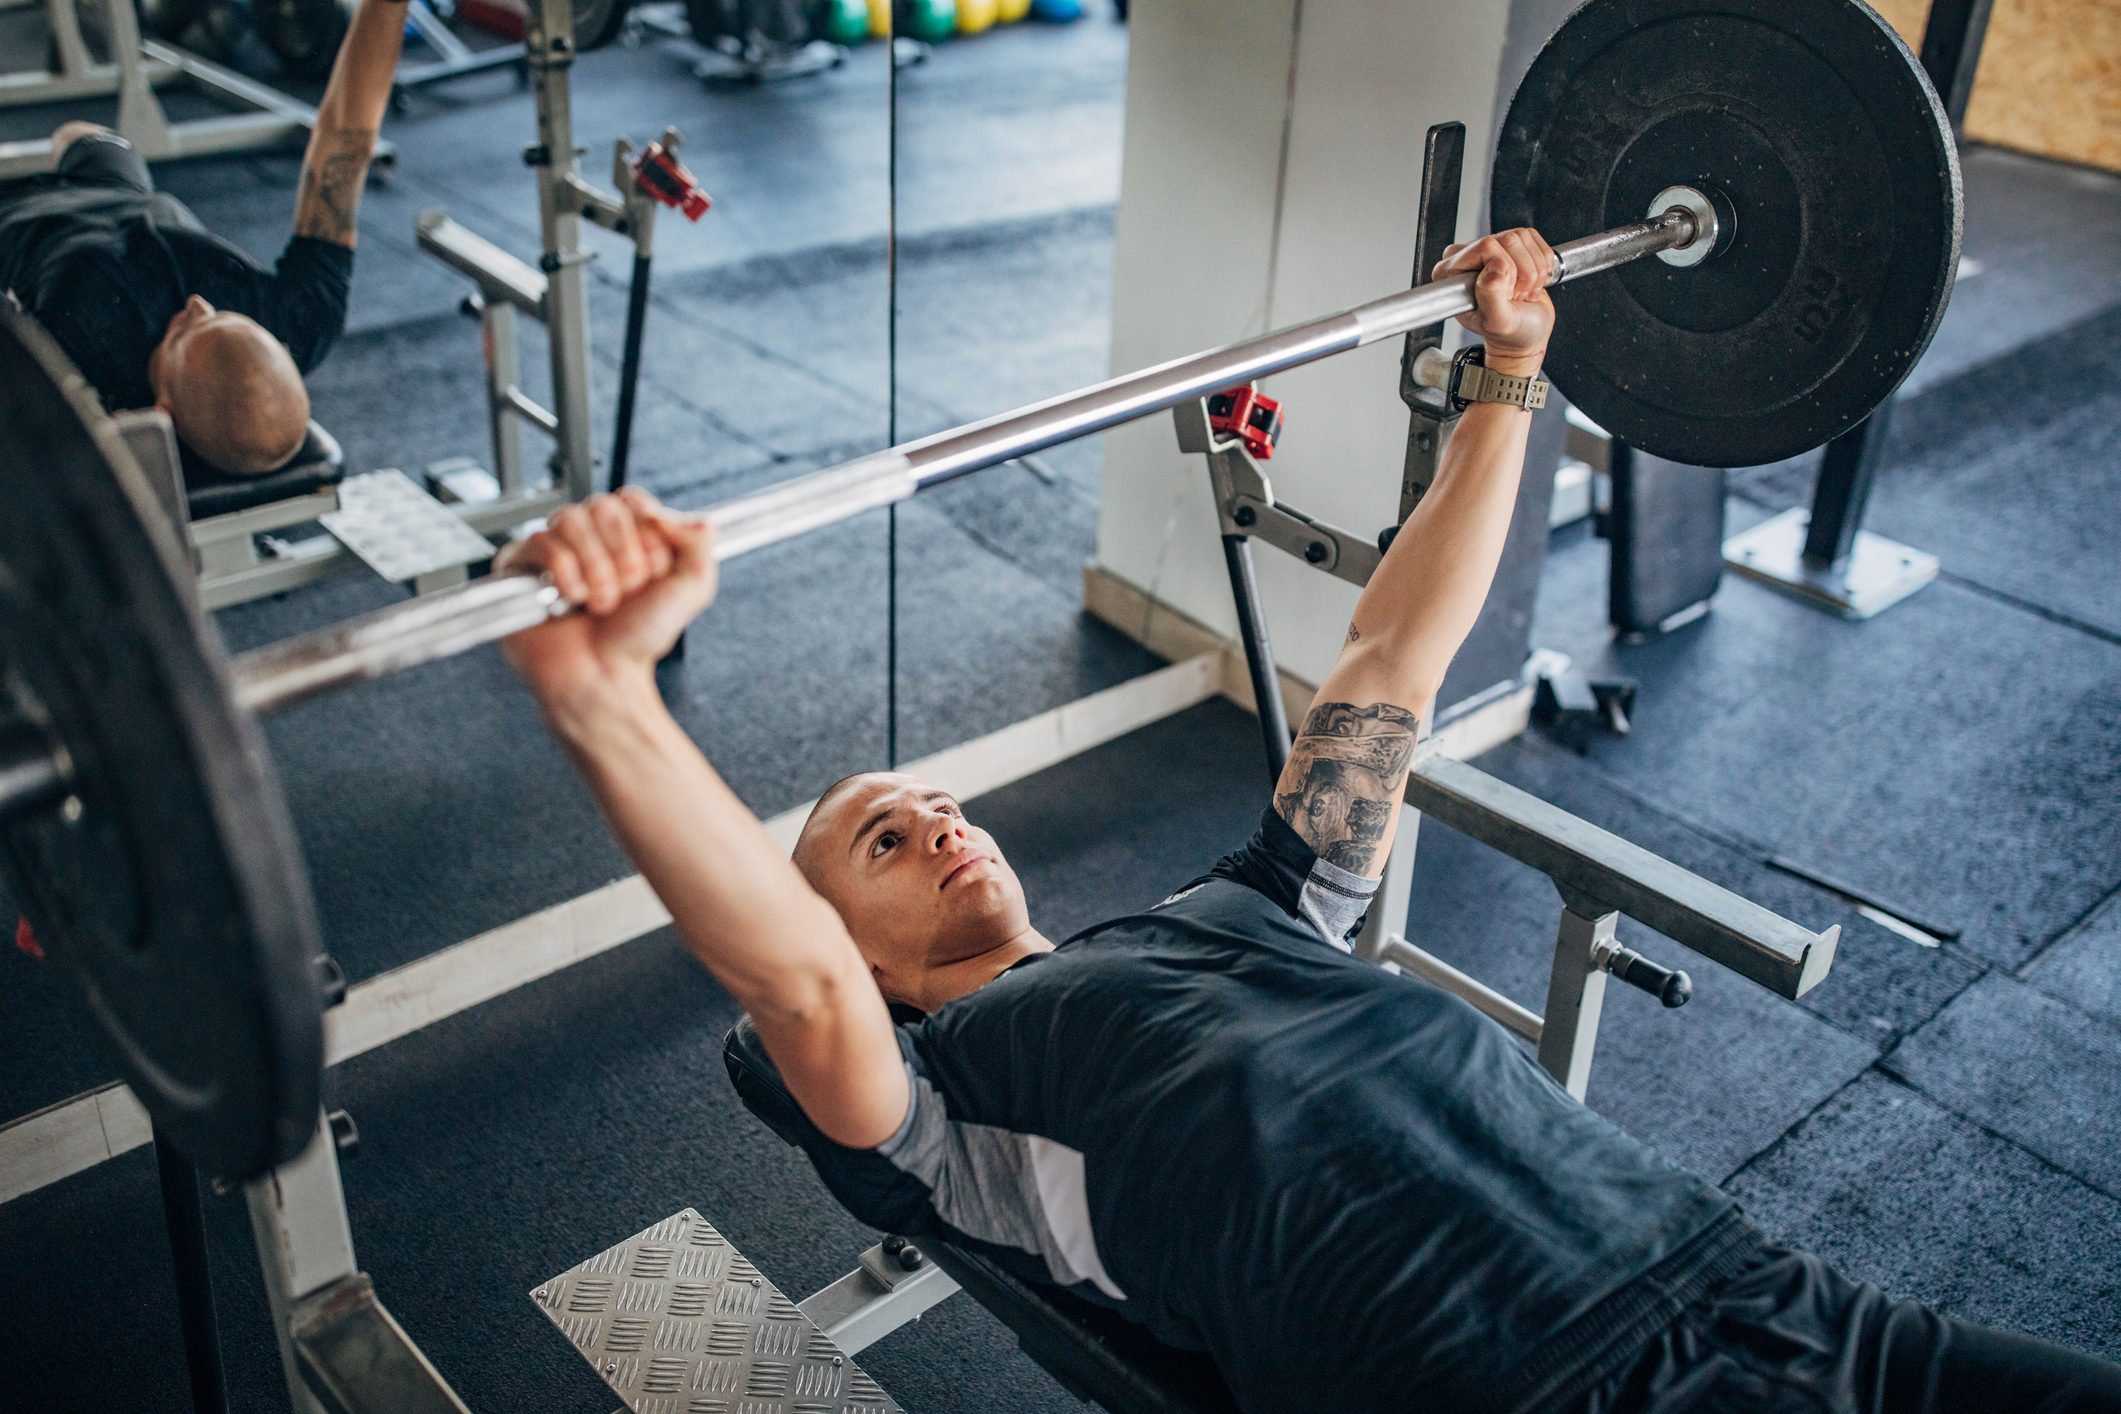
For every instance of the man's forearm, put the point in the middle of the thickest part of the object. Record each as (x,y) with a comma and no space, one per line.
(742,910)
(1426,595)
(359,89)
(736,900)
(335,168)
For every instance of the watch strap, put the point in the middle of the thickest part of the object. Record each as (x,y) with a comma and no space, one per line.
(1472,381)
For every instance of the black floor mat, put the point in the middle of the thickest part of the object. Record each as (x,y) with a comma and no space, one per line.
(2010,474)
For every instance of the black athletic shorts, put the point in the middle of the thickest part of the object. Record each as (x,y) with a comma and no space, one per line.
(1790,1335)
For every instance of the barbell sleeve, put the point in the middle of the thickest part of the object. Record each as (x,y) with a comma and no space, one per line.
(454,621)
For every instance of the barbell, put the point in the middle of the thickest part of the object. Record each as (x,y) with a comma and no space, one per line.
(145,831)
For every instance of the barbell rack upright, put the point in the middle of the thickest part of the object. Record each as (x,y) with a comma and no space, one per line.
(441,625)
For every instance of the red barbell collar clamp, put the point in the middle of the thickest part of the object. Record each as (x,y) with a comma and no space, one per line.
(1249,415)
(666,179)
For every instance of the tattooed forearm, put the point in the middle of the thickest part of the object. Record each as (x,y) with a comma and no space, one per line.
(333,173)
(1341,787)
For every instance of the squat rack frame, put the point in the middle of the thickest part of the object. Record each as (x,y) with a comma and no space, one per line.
(1598,874)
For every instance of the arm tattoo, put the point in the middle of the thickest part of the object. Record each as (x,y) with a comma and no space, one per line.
(332,177)
(1343,780)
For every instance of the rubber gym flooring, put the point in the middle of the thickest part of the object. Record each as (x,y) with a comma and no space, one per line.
(1934,1118)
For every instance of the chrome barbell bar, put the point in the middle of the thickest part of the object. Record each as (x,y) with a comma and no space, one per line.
(442,625)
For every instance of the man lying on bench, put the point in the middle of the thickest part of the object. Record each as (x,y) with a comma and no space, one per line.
(1349,1188)
(156,311)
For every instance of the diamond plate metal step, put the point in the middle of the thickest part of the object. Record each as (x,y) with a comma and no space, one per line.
(400,531)
(677,1321)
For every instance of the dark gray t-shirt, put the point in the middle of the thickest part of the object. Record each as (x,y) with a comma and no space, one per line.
(1349,1187)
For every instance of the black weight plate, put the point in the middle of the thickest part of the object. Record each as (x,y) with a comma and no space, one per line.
(176,900)
(1815,124)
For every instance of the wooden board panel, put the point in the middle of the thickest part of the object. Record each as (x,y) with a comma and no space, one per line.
(2050,76)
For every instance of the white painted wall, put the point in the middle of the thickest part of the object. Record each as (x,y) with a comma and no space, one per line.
(1219,238)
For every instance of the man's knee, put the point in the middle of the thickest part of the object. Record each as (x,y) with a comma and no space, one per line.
(69,133)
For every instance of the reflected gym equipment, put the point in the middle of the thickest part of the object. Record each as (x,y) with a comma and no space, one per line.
(131,69)
(305,35)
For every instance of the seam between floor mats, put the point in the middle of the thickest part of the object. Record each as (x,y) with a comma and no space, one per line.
(2064,934)
(1760,853)
(2095,1185)
(1789,1131)
(2041,611)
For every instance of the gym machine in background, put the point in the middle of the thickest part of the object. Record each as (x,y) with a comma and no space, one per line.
(148,840)
(425,537)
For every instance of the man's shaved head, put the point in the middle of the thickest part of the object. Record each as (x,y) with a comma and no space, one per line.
(231,389)
(918,886)
(809,856)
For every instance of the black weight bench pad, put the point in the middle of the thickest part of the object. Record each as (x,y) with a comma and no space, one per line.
(1097,1354)
(209,491)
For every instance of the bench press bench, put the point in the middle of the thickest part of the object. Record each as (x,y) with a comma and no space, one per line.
(380,519)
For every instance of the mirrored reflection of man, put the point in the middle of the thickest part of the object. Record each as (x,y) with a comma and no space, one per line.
(157,311)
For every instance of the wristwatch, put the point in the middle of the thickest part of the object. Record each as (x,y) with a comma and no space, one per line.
(1472,381)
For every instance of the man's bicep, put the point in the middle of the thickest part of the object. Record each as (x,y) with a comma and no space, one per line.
(304,301)
(1346,774)
(839,1057)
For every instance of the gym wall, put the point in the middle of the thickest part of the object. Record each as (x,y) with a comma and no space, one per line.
(2049,82)
(1272,157)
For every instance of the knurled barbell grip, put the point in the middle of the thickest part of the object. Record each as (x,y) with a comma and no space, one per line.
(1667,984)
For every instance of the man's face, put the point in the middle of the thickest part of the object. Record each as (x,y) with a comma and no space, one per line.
(918,885)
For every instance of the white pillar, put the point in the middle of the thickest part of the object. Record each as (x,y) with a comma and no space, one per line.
(1270,173)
